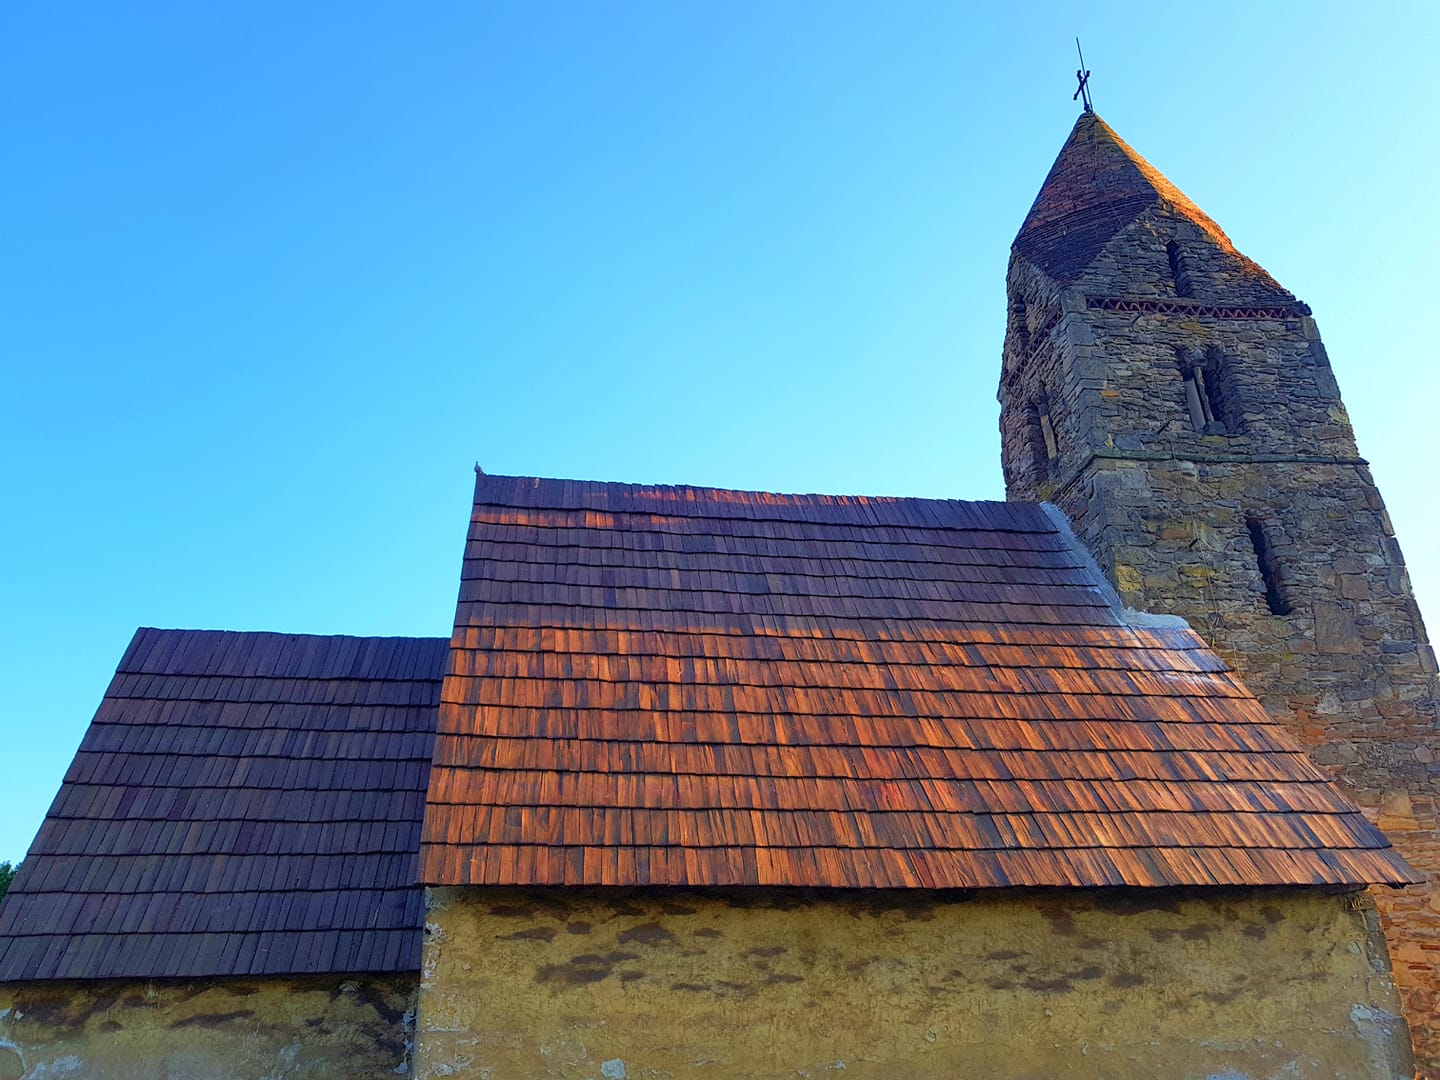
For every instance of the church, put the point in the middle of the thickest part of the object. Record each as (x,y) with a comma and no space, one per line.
(1130,775)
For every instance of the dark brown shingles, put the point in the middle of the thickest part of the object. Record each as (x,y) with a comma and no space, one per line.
(242,803)
(691,686)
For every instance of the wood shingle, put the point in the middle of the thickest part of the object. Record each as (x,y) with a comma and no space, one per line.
(691,686)
(242,804)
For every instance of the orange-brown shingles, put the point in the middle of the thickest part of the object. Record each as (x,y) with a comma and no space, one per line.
(705,687)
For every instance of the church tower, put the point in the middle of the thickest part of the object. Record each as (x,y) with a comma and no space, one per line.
(1177,404)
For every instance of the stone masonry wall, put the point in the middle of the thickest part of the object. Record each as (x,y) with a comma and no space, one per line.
(1344,670)
(770,984)
(208,1029)
(1267,534)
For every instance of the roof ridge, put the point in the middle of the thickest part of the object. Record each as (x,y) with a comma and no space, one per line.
(494,479)
(690,502)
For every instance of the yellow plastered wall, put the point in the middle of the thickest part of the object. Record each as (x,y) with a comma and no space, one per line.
(217,1029)
(772,984)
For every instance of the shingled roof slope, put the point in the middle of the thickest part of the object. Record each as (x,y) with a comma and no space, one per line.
(242,804)
(690,686)
(1098,185)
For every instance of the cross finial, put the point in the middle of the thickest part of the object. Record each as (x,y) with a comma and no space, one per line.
(1083,91)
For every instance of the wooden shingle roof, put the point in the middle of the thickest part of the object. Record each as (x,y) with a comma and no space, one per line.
(690,686)
(241,804)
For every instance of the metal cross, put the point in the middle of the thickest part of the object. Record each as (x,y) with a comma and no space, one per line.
(1083,91)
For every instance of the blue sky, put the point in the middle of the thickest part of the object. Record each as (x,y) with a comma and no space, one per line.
(275,276)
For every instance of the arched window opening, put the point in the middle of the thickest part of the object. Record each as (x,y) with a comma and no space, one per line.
(1040,434)
(1179,270)
(1210,393)
(1269,565)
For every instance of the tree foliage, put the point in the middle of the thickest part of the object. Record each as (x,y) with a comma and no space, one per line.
(7,875)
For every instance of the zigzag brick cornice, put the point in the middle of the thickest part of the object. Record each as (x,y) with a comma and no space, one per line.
(1189,307)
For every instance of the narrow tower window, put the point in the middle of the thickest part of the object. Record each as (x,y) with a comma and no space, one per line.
(1269,565)
(1219,374)
(1209,393)
(1040,434)
(1020,327)
(1196,400)
(1179,269)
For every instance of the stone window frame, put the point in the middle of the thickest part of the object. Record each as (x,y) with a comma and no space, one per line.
(1272,573)
(1181,276)
(1210,398)
(1040,439)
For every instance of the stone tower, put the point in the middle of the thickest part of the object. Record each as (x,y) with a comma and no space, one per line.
(1176,402)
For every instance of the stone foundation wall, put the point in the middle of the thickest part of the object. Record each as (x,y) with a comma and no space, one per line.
(786,983)
(208,1029)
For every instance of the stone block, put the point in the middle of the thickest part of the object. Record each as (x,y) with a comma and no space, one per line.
(1396,812)
(1354,587)
(1335,630)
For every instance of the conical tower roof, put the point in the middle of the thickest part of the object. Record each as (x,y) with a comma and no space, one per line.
(1097,186)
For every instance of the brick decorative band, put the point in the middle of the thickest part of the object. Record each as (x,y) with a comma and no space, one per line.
(1190,307)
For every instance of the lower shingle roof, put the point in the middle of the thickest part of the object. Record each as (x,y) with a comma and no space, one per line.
(242,804)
